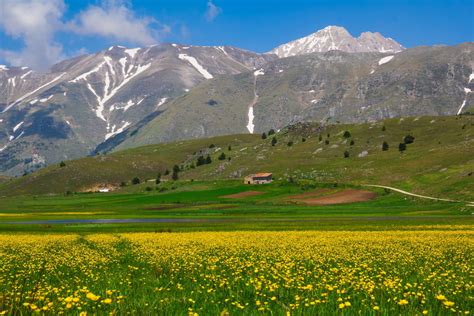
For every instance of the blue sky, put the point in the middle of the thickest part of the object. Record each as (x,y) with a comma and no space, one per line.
(50,30)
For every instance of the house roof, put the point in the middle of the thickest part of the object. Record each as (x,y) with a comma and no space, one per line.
(262,174)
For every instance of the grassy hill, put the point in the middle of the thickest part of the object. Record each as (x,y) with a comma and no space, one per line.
(439,162)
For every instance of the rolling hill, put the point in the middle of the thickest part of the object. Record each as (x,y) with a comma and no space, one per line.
(439,162)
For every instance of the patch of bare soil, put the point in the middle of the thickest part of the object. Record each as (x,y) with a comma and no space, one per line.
(341,197)
(242,195)
(309,194)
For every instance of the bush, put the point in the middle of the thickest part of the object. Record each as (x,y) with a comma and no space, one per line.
(290,143)
(303,140)
(148,189)
(62,164)
(175,175)
(212,146)
(264,136)
(274,141)
(271,132)
(136,180)
(201,161)
(320,137)
(176,168)
(383,128)
(347,134)
(346,154)
(352,143)
(326,141)
(402,147)
(221,156)
(385,146)
(167,172)
(158,178)
(409,139)
(208,159)
(123,184)
(229,148)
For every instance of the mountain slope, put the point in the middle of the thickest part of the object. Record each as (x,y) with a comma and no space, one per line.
(338,38)
(86,100)
(334,86)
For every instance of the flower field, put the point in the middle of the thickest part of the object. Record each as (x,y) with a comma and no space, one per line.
(234,273)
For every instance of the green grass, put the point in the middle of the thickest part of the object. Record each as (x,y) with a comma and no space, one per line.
(204,201)
(440,161)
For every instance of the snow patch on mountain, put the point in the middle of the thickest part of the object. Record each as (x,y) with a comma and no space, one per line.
(250,125)
(32,92)
(466,91)
(17,126)
(86,74)
(196,65)
(114,132)
(132,51)
(385,60)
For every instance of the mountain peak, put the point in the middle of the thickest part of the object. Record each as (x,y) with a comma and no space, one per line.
(334,37)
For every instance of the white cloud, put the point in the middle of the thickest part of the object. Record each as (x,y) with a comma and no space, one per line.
(212,11)
(35,23)
(116,21)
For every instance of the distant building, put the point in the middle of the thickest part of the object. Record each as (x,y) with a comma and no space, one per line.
(259,178)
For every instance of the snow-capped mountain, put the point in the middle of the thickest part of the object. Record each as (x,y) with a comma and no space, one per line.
(86,100)
(338,38)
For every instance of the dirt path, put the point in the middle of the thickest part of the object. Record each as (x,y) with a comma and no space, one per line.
(469,203)
(341,197)
(242,195)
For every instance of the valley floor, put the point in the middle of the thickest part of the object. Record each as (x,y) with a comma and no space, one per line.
(224,248)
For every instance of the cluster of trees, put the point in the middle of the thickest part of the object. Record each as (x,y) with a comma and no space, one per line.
(203,161)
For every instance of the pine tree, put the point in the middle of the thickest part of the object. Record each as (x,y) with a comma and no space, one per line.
(274,141)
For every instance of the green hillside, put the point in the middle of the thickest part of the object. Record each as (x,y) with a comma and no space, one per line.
(439,162)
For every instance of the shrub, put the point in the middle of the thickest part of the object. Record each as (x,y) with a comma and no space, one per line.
(167,172)
(409,139)
(383,128)
(352,143)
(201,161)
(176,168)
(212,146)
(123,184)
(402,147)
(271,132)
(158,178)
(175,175)
(208,159)
(229,148)
(148,189)
(385,146)
(136,180)
(62,164)
(346,154)
(274,141)
(326,141)
(264,136)
(320,137)
(290,143)
(303,140)
(221,156)
(347,134)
